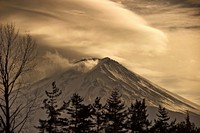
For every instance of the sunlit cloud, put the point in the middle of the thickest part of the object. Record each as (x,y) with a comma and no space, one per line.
(89,27)
(97,27)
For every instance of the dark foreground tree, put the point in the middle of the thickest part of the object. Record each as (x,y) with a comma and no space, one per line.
(115,113)
(76,117)
(137,117)
(187,126)
(17,53)
(98,116)
(54,123)
(80,120)
(162,124)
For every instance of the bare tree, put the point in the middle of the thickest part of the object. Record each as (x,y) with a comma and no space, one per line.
(17,54)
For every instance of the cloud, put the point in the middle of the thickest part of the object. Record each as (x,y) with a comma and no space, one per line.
(36,12)
(86,65)
(52,63)
(195,2)
(84,28)
(56,59)
(89,26)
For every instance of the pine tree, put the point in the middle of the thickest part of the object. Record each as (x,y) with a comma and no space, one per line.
(42,125)
(161,124)
(86,124)
(98,116)
(54,123)
(80,120)
(74,108)
(115,113)
(187,126)
(137,117)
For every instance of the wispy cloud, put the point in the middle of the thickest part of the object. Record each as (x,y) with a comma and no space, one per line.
(103,25)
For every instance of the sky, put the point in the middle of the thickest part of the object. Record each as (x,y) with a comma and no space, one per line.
(158,39)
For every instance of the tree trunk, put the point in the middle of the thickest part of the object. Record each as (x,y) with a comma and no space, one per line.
(7,129)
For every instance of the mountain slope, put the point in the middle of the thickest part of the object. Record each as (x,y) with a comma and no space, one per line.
(108,74)
(101,78)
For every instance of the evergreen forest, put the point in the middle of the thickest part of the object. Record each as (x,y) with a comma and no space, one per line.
(74,116)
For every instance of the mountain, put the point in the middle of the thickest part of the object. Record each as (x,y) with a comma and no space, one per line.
(109,74)
(98,77)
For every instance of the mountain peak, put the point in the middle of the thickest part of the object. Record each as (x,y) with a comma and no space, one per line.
(98,77)
(109,74)
(96,63)
(106,59)
(86,59)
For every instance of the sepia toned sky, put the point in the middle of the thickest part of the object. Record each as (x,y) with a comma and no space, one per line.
(158,39)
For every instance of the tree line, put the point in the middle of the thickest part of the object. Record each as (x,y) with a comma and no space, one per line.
(74,116)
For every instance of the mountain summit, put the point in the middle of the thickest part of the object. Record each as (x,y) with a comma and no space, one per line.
(95,77)
(109,74)
(98,77)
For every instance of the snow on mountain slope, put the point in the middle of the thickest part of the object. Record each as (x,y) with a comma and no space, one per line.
(101,78)
(109,74)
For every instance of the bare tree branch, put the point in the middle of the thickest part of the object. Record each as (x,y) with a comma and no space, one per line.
(2,121)
(2,109)
(17,54)
(23,121)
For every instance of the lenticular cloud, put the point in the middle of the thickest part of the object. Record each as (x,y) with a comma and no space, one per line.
(93,27)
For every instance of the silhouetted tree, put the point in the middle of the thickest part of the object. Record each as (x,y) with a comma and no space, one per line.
(17,53)
(80,120)
(74,108)
(54,123)
(42,125)
(110,118)
(137,117)
(98,116)
(86,124)
(162,124)
(187,126)
(115,113)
